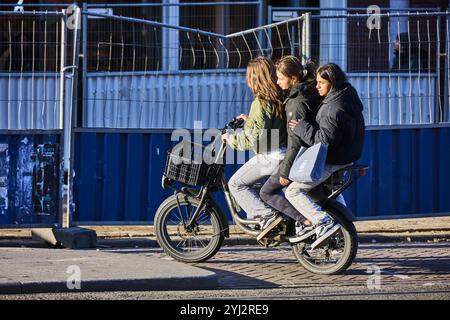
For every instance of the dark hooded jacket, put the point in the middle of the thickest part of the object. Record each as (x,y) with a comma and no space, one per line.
(339,123)
(302,103)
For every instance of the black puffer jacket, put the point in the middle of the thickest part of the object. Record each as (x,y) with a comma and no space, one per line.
(339,123)
(302,103)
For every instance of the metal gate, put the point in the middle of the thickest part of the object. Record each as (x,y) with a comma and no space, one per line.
(38,75)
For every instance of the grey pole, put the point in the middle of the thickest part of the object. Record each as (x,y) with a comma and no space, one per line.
(306,37)
(62,191)
(73,23)
(84,30)
(261,10)
(446,116)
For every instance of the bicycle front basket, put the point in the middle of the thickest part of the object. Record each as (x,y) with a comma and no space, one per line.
(188,169)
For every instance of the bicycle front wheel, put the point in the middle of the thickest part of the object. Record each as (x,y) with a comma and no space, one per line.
(195,244)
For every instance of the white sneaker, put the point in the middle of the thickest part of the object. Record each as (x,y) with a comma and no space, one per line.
(329,231)
(302,232)
(323,226)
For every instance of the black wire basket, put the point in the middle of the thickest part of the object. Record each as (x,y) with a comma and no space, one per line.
(185,164)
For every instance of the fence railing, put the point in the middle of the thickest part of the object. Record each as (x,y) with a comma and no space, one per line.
(38,76)
(398,60)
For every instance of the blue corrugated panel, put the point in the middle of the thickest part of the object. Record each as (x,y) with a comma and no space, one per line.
(118,175)
(407,176)
(29,179)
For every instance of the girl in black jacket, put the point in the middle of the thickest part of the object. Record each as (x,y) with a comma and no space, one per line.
(301,103)
(339,123)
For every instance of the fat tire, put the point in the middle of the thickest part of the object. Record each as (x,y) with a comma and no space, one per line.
(335,209)
(161,230)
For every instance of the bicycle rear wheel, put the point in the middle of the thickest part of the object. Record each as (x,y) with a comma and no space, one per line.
(337,253)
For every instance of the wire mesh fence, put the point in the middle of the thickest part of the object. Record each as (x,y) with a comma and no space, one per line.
(397,67)
(198,75)
(142,70)
(31,58)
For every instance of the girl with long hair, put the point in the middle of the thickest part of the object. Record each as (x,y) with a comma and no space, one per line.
(265,133)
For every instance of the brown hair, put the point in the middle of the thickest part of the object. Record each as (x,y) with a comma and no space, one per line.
(261,79)
(291,67)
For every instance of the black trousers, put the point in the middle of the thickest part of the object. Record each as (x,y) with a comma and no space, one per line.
(270,194)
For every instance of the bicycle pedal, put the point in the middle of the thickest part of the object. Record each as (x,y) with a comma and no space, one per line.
(263,242)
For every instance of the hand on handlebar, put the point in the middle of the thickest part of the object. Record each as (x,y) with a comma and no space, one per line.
(225,137)
(242,116)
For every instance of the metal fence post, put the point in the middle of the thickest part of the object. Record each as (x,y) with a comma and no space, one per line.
(170,37)
(306,37)
(446,116)
(261,7)
(73,23)
(84,30)
(62,88)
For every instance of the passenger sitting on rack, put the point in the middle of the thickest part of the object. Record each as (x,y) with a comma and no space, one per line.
(339,123)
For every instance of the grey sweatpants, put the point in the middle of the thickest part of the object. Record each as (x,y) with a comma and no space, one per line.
(297,195)
(241,184)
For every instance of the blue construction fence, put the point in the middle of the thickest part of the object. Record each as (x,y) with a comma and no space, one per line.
(118,175)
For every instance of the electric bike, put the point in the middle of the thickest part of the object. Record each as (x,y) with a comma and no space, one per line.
(190,227)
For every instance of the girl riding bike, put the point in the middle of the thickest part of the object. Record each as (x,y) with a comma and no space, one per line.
(265,133)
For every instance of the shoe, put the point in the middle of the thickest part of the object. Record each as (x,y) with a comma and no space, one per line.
(265,221)
(330,230)
(268,223)
(323,226)
(302,232)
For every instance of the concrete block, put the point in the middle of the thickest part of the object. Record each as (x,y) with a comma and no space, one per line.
(76,238)
(45,234)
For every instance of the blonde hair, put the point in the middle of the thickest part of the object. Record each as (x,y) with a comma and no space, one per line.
(261,78)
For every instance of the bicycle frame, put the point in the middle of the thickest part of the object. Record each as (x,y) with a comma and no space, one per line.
(243,224)
(205,190)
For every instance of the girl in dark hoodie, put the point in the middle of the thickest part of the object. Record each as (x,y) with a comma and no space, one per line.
(302,101)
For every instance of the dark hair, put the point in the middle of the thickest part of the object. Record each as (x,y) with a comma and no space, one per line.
(291,66)
(334,74)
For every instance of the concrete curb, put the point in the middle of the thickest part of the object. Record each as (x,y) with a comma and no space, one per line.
(153,284)
(122,242)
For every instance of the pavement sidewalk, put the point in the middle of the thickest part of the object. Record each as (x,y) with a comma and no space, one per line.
(28,266)
(40,270)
